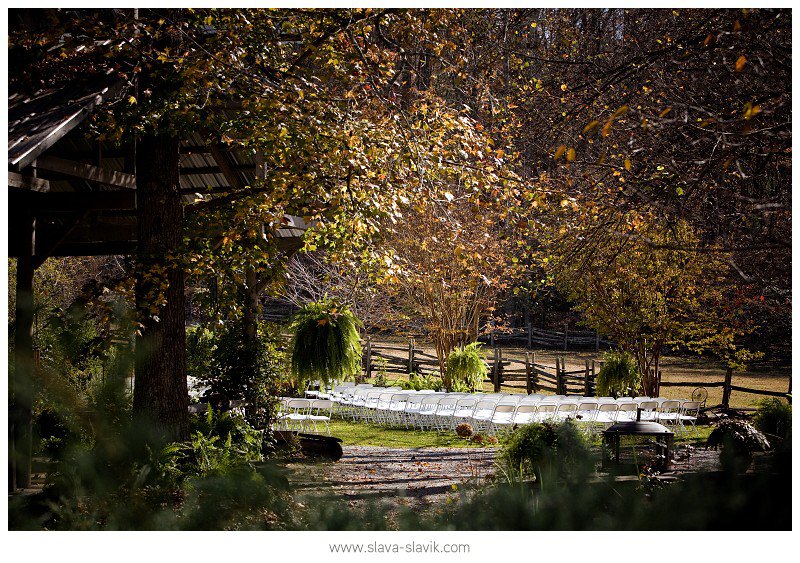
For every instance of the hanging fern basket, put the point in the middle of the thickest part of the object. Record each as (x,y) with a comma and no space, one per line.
(325,342)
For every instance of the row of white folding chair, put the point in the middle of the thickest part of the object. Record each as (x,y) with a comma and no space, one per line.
(296,414)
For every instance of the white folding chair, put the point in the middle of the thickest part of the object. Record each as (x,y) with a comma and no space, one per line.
(320,411)
(525,414)
(627,411)
(297,413)
(690,411)
(503,416)
(482,414)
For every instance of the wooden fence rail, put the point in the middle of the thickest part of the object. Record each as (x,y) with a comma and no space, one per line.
(554,377)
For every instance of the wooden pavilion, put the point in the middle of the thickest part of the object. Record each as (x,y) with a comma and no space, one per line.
(72,194)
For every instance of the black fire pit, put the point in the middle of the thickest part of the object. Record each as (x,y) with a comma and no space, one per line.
(651,443)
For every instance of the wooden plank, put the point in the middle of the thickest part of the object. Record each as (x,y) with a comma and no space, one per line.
(220,155)
(86,172)
(70,202)
(691,384)
(16,180)
(758,391)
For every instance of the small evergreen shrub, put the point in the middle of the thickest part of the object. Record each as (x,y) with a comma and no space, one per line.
(619,375)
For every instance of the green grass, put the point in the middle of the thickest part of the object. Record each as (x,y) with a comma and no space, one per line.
(364,434)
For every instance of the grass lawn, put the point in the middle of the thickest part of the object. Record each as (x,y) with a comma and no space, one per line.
(364,434)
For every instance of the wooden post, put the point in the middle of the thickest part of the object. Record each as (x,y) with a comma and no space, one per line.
(594,376)
(528,381)
(20,427)
(586,382)
(726,389)
(410,356)
(566,325)
(596,341)
(528,326)
(559,377)
(496,370)
(368,366)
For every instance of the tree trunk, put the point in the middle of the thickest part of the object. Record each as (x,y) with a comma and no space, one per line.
(160,391)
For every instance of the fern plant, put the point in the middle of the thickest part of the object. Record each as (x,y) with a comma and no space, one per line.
(466,367)
(619,375)
(325,342)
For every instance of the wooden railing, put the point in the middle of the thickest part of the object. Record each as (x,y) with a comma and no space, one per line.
(552,376)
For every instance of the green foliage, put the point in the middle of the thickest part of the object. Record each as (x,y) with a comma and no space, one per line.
(422,383)
(466,366)
(238,368)
(325,342)
(546,451)
(774,417)
(220,442)
(619,375)
(200,346)
(739,441)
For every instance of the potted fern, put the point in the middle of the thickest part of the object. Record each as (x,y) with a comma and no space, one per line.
(465,368)
(325,342)
(619,375)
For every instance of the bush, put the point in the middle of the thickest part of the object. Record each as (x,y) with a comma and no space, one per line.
(422,382)
(774,417)
(466,367)
(619,375)
(325,343)
(739,441)
(557,451)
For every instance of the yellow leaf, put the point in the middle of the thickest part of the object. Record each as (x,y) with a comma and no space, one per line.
(665,112)
(751,110)
(570,155)
(322,322)
(132,100)
(560,152)
(591,126)
(564,87)
(619,112)
(627,164)
(606,129)
(740,62)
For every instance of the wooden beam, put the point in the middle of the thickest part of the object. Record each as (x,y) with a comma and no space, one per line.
(221,157)
(16,180)
(21,384)
(38,203)
(86,172)
(216,170)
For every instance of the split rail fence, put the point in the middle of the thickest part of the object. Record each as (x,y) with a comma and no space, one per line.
(551,376)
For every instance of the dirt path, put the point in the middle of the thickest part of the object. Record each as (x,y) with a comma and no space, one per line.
(416,477)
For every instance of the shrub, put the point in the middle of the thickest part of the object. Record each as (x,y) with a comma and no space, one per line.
(619,375)
(774,417)
(478,438)
(325,343)
(492,440)
(422,382)
(466,367)
(464,430)
(739,441)
(559,451)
